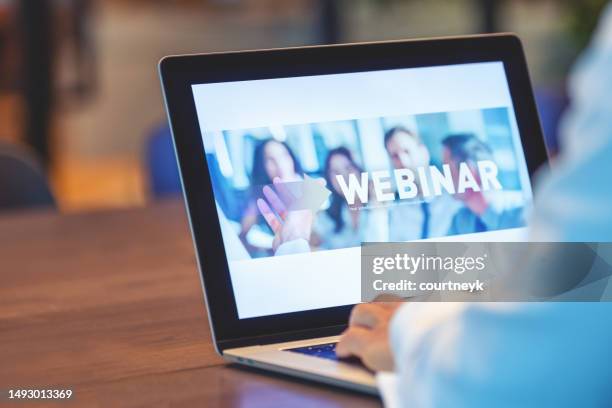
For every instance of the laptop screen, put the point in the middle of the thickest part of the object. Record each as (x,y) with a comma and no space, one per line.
(305,169)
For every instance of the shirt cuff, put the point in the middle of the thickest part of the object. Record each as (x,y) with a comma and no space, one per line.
(400,330)
(412,322)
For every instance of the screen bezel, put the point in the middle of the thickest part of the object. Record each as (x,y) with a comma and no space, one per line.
(179,73)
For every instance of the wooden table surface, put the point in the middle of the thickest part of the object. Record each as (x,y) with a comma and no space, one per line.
(109,305)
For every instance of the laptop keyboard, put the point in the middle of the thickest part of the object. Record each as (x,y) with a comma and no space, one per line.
(327,351)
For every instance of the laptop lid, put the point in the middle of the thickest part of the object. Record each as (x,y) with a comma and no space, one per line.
(386,125)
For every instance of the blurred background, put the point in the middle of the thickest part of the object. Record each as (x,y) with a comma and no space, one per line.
(79,88)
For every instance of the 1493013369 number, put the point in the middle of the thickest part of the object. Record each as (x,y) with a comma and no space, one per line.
(37,394)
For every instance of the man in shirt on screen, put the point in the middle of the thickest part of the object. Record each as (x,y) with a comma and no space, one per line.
(480,212)
(423,217)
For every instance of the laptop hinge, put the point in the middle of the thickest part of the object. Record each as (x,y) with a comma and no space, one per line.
(280,337)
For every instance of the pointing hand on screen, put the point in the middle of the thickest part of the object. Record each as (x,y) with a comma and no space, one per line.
(287,225)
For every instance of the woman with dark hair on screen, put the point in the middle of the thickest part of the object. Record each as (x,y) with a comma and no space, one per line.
(340,226)
(272,159)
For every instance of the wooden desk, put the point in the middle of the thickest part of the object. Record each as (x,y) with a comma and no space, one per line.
(109,304)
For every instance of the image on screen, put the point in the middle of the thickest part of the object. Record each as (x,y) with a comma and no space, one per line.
(305,169)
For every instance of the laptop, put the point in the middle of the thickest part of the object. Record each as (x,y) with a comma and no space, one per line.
(291,158)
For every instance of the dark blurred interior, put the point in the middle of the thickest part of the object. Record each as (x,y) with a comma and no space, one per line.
(79,89)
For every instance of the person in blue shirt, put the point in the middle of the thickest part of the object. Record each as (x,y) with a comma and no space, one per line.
(516,354)
(481,211)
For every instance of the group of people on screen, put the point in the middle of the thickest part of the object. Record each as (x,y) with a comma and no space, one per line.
(341,225)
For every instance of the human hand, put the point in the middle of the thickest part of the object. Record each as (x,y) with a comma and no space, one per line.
(286,225)
(367,336)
